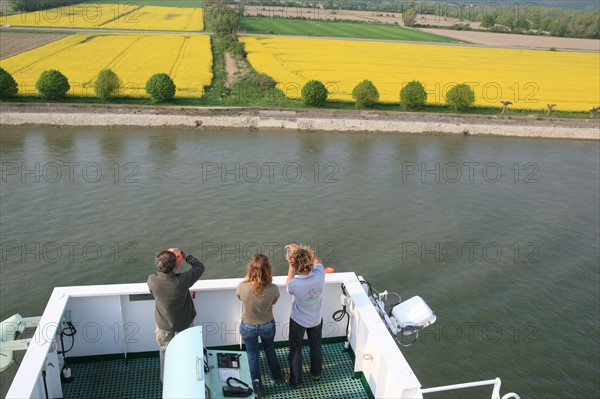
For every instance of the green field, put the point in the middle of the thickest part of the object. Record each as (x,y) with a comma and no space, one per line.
(297,27)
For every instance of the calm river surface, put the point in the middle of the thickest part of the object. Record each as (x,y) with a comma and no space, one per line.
(499,235)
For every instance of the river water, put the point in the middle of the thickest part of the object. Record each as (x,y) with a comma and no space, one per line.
(499,235)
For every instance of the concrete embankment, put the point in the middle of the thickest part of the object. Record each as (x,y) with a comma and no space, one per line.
(305,120)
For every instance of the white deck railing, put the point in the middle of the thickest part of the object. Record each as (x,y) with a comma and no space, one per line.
(495,391)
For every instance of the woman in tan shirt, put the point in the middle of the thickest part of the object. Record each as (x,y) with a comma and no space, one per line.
(258,295)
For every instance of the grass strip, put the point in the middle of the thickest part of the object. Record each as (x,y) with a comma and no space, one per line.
(359,30)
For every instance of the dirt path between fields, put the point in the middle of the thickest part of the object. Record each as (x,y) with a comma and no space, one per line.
(516,41)
(231,69)
(235,68)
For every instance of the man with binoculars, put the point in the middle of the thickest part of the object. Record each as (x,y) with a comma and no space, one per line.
(175,309)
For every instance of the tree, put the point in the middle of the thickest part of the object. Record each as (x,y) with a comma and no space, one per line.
(52,85)
(160,87)
(546,24)
(314,93)
(409,17)
(222,20)
(536,23)
(488,22)
(559,28)
(413,96)
(509,22)
(460,97)
(31,5)
(107,84)
(8,85)
(365,93)
(522,25)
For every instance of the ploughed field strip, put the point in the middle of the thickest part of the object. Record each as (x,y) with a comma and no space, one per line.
(12,43)
(139,378)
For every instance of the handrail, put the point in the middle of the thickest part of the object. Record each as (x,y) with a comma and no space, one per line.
(495,392)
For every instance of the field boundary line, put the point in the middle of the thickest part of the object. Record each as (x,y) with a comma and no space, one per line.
(189,20)
(113,63)
(121,15)
(285,66)
(180,57)
(39,60)
(278,58)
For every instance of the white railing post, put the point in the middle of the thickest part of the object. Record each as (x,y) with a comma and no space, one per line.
(496,390)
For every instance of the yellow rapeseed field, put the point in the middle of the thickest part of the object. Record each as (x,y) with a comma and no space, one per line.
(86,15)
(160,18)
(529,78)
(134,58)
(111,16)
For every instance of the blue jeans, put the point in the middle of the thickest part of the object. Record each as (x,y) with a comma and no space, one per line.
(266,332)
(295,357)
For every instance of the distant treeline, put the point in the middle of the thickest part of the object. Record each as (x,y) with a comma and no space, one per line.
(529,16)
(398,5)
(556,22)
(34,5)
(590,5)
(500,16)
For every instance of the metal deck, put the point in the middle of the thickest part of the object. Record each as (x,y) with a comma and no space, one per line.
(139,378)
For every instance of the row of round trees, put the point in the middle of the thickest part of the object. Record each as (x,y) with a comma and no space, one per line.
(53,85)
(412,96)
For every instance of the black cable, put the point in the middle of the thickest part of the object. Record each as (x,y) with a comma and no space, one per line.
(72,331)
(339,315)
(62,344)
(72,328)
(45,384)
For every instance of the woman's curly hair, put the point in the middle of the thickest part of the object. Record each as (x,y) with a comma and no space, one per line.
(259,274)
(302,258)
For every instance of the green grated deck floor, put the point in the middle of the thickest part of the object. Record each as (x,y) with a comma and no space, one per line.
(138,378)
